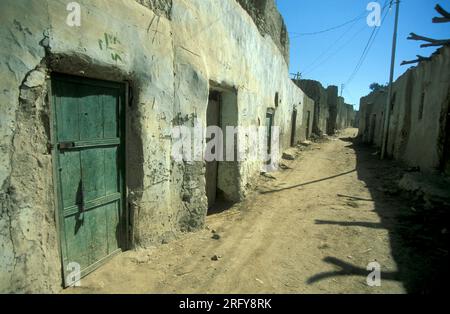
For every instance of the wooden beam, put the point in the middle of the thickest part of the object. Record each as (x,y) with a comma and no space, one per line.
(413,36)
(442,11)
(436,43)
(441,19)
(419,59)
(430,41)
(409,62)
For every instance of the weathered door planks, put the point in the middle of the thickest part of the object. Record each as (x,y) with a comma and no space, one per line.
(88,132)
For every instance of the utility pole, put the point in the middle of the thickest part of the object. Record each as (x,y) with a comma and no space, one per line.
(387,110)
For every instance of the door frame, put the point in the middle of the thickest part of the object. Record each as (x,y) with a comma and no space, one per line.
(228,116)
(270,114)
(216,96)
(124,240)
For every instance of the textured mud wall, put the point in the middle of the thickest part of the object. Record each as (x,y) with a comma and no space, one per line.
(159,7)
(308,106)
(333,103)
(318,94)
(205,62)
(345,115)
(29,246)
(171,65)
(430,98)
(331,113)
(351,115)
(269,22)
(371,116)
(114,42)
(29,257)
(341,114)
(356,123)
(418,112)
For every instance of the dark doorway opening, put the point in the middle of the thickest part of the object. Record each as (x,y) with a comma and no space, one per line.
(222,176)
(212,167)
(294,127)
(373,124)
(269,127)
(308,124)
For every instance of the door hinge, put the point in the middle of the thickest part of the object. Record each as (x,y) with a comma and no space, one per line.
(50,147)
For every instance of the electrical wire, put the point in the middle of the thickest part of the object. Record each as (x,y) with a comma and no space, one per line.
(359,17)
(366,50)
(310,69)
(312,66)
(356,19)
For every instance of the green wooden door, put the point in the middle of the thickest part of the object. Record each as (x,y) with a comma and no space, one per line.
(88,138)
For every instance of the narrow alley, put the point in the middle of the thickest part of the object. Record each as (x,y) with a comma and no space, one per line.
(224,147)
(333,196)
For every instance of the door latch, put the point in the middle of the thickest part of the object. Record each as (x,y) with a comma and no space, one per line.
(66,145)
(80,197)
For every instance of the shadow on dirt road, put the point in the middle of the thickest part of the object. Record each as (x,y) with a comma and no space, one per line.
(418,234)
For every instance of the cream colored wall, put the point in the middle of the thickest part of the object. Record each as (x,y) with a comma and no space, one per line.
(170,65)
(418,142)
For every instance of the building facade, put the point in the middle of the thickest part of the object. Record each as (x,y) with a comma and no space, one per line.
(88,110)
(418,132)
(331,113)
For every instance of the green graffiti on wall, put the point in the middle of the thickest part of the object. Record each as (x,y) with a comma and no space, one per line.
(111,44)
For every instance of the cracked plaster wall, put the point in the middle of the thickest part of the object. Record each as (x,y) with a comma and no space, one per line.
(170,64)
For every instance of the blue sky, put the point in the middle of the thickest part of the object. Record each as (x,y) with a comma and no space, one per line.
(331,57)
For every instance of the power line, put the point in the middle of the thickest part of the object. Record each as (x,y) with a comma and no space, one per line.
(335,52)
(363,56)
(359,17)
(366,50)
(356,19)
(311,67)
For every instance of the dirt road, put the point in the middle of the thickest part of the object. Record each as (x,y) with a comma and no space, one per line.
(313,229)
